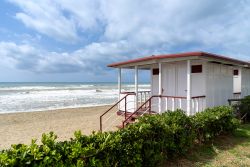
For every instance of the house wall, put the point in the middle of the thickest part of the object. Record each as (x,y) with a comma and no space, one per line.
(219,84)
(216,82)
(174,83)
(245,82)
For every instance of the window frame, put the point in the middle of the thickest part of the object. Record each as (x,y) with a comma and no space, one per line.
(196,69)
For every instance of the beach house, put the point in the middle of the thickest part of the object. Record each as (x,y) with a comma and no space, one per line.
(189,81)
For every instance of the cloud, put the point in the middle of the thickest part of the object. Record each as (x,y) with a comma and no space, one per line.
(127,29)
(47,18)
(91,59)
(171,22)
(176,22)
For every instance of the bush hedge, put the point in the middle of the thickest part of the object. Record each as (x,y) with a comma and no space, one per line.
(145,143)
(214,121)
(244,108)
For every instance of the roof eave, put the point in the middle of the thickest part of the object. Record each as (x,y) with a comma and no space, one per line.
(154,59)
(177,57)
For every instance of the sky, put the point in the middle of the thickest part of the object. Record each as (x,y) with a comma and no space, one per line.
(73,41)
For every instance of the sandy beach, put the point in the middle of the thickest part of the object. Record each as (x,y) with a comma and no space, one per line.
(22,127)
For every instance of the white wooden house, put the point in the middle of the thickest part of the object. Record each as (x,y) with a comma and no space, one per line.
(190,81)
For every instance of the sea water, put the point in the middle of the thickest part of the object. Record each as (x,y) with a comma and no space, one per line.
(26,97)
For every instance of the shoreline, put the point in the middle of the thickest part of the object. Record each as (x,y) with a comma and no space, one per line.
(21,127)
(54,109)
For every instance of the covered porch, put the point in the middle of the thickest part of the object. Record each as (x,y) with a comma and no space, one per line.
(161,97)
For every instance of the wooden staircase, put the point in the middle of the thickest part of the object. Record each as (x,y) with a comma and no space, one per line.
(129,117)
(144,109)
(133,117)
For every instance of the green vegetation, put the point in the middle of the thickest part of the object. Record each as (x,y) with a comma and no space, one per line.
(146,143)
(227,150)
(244,108)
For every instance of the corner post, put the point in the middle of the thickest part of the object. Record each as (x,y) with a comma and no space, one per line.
(119,82)
(136,87)
(119,86)
(188,87)
(160,87)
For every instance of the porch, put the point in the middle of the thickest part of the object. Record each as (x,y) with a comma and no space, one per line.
(170,90)
(159,98)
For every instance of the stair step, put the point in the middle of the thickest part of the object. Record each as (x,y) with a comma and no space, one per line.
(119,126)
(127,122)
(129,113)
(133,118)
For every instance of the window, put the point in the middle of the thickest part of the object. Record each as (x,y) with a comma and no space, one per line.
(156,71)
(236,72)
(196,69)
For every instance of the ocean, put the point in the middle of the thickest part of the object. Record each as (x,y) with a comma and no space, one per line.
(27,97)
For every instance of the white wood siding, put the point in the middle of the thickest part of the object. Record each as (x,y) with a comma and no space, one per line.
(245,81)
(174,83)
(219,89)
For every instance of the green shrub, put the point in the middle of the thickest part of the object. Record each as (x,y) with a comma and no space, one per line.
(164,136)
(214,121)
(244,107)
(145,143)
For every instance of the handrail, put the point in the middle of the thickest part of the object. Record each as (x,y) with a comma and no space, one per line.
(179,97)
(196,97)
(131,93)
(149,100)
(125,97)
(231,100)
(245,115)
(175,97)
(146,91)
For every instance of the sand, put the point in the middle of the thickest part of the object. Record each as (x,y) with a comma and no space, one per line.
(22,127)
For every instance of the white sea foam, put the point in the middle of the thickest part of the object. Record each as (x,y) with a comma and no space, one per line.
(39,97)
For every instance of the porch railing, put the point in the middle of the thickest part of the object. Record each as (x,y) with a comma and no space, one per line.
(237,95)
(109,117)
(198,104)
(171,103)
(148,105)
(143,96)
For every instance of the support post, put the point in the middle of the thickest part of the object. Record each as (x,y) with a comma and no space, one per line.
(160,88)
(150,105)
(136,87)
(119,86)
(101,124)
(188,87)
(126,107)
(119,82)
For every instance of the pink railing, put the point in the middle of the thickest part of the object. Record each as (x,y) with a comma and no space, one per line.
(121,107)
(153,105)
(171,103)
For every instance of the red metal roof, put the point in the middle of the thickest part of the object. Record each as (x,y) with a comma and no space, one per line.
(179,55)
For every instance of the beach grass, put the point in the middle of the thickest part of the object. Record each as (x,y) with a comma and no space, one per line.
(226,150)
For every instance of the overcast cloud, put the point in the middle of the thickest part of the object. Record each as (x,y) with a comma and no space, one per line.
(94,33)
